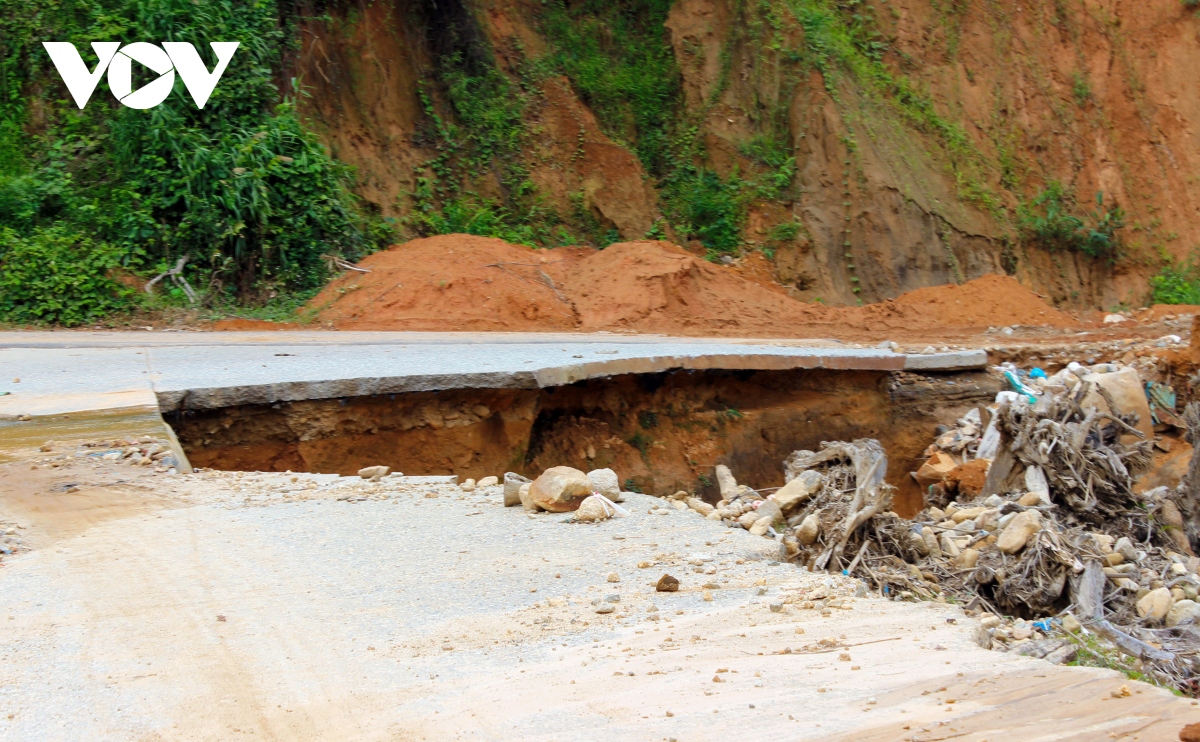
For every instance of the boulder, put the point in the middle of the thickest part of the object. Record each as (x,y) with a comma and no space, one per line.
(1125,388)
(967,559)
(760,527)
(770,509)
(606,483)
(593,509)
(487,482)
(1173,526)
(967,514)
(948,547)
(795,492)
(512,488)
(1155,605)
(1029,499)
(935,469)
(1183,612)
(1124,547)
(1018,531)
(931,543)
(560,489)
(700,506)
(809,529)
(523,494)
(725,482)
(987,520)
(748,519)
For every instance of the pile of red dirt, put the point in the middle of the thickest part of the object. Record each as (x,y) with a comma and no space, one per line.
(452,282)
(989,300)
(462,282)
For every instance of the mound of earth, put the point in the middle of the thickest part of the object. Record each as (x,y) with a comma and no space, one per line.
(468,283)
(657,287)
(989,300)
(452,282)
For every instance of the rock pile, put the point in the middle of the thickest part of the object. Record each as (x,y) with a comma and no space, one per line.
(144,451)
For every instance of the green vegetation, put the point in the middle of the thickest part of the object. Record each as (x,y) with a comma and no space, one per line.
(1176,283)
(56,276)
(1049,221)
(240,187)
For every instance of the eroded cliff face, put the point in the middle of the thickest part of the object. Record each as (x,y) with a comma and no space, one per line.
(917,128)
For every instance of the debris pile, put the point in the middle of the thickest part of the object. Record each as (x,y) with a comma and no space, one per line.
(1031,515)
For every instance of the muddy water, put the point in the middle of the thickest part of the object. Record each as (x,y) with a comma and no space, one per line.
(659,432)
(18,437)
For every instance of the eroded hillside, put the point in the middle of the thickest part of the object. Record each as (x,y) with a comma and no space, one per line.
(866,148)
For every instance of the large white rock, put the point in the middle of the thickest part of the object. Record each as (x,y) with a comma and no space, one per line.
(560,489)
(605,482)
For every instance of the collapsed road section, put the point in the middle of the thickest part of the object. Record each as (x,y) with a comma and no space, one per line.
(661,410)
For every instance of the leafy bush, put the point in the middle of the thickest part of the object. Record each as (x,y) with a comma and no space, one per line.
(1177,283)
(1049,221)
(57,276)
(240,187)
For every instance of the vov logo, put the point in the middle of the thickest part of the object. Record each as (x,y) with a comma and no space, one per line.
(166,60)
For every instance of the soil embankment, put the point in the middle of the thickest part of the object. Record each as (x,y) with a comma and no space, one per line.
(467,283)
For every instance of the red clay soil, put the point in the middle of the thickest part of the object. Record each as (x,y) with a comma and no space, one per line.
(989,300)
(467,283)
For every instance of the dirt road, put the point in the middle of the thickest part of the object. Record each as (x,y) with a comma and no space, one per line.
(273,606)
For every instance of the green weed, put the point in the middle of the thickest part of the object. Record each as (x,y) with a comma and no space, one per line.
(1050,221)
(1176,283)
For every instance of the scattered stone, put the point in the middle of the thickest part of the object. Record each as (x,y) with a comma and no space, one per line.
(1124,547)
(613,577)
(1018,531)
(776,606)
(667,584)
(605,608)
(1183,612)
(487,482)
(760,527)
(809,530)
(1029,499)
(1022,631)
(374,473)
(512,488)
(1190,733)
(1155,604)
(1071,624)
(967,559)
(593,510)
(467,486)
